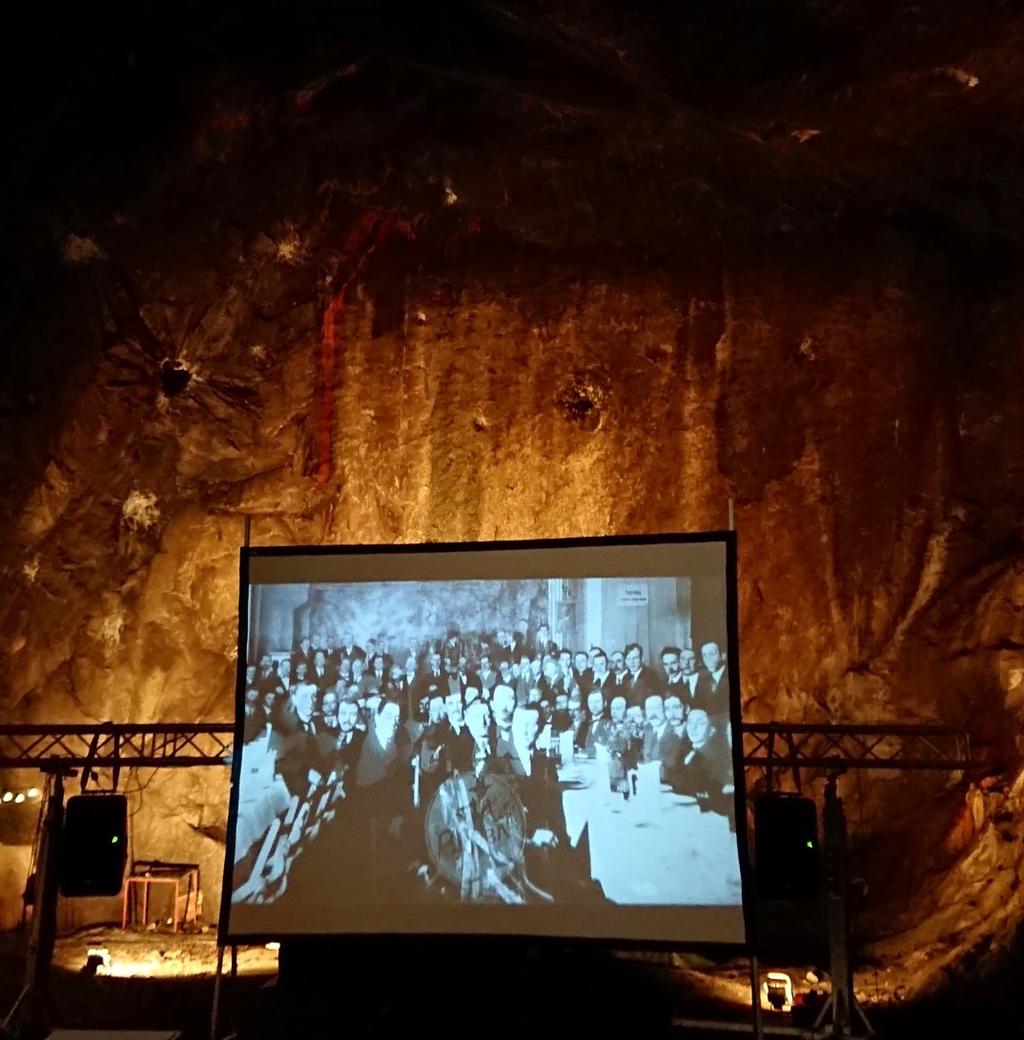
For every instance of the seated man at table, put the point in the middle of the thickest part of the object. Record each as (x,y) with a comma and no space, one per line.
(596,729)
(654,714)
(705,770)
(503,703)
(670,747)
(298,757)
(535,779)
(383,779)
(447,747)
(550,863)
(349,742)
(561,720)
(478,723)
(577,715)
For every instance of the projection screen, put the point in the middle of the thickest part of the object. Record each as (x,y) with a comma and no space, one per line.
(530,738)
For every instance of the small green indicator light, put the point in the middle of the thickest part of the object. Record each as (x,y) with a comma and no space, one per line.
(810,844)
(114,840)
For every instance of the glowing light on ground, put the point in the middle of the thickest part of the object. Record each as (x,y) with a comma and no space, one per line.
(153,955)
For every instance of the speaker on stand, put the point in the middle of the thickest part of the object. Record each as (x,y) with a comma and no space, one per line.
(788,888)
(94,845)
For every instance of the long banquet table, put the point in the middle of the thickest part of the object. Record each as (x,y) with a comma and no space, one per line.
(656,847)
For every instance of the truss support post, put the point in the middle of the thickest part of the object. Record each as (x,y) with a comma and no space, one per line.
(28,1019)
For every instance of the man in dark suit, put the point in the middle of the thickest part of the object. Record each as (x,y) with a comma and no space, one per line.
(432,676)
(349,741)
(551,682)
(690,675)
(549,861)
(600,678)
(478,723)
(300,676)
(266,678)
(295,743)
(535,778)
(379,676)
(384,780)
(460,677)
(654,727)
(489,678)
(595,728)
(618,663)
(503,704)
(303,654)
(712,692)
(448,747)
(706,767)
(407,683)
(639,682)
(365,682)
(581,671)
(670,747)
(322,675)
(380,653)
(255,722)
(350,649)
(502,648)
(561,720)
(545,644)
(518,647)
(675,681)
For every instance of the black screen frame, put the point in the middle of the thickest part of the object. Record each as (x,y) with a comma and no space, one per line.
(726,538)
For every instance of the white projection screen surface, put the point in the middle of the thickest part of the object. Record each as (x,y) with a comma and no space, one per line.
(528,738)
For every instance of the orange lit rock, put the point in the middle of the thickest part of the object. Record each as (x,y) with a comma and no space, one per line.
(604,315)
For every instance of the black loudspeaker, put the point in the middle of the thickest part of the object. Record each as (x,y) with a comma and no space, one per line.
(787,860)
(94,845)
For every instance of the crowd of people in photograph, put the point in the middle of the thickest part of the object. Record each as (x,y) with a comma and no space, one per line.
(346,747)
(334,708)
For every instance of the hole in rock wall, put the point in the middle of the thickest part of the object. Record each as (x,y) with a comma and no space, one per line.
(174,377)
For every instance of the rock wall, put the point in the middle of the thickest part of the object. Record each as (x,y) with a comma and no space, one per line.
(357,317)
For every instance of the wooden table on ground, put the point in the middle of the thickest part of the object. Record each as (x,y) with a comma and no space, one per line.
(153,872)
(655,848)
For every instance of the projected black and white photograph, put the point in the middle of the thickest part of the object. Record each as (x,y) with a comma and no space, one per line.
(507,742)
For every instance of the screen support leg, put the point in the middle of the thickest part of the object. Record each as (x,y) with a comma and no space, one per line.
(234,989)
(755,996)
(215,1011)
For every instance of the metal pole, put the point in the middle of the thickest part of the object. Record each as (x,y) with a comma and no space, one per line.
(28,1019)
(755,994)
(234,989)
(844,1003)
(835,879)
(215,1011)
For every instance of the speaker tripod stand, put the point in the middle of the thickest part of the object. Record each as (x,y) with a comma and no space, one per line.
(842,1002)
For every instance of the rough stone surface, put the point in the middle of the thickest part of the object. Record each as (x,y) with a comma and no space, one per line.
(396,297)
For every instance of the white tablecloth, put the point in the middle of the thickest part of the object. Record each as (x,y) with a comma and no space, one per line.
(657,847)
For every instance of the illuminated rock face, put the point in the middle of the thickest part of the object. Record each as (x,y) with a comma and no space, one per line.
(597,324)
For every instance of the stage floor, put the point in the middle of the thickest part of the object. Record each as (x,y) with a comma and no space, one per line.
(160,981)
